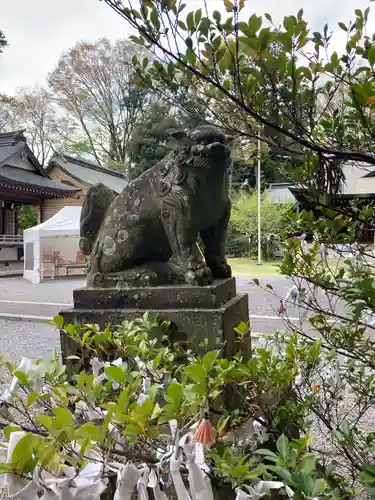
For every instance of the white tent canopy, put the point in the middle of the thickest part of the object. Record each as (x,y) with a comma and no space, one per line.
(55,242)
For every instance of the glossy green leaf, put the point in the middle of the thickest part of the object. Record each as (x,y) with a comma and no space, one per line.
(21,376)
(115,373)
(23,457)
(209,359)
(314,351)
(320,486)
(32,397)
(182,25)
(58,321)
(204,26)
(175,392)
(156,412)
(190,21)
(371,56)
(45,421)
(267,453)
(8,430)
(63,417)
(154,18)
(217,16)
(89,431)
(255,23)
(307,464)
(219,54)
(367,475)
(123,400)
(4,467)
(138,40)
(189,43)
(197,17)
(268,17)
(283,473)
(282,445)
(196,372)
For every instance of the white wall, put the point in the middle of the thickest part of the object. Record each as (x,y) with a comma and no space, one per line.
(8,254)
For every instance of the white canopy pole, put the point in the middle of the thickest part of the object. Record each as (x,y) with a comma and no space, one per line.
(259,209)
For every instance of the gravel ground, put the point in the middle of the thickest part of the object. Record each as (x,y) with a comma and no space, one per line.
(34,340)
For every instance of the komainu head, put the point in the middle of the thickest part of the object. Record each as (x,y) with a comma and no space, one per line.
(205,146)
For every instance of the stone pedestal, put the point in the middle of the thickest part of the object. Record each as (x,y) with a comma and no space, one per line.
(196,313)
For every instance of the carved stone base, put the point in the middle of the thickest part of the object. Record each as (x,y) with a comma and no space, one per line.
(150,274)
(160,297)
(197,313)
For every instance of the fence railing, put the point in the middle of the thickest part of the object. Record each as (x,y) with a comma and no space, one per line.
(11,238)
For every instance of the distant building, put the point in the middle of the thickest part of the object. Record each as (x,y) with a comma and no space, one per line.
(359,184)
(80,174)
(23,181)
(280,192)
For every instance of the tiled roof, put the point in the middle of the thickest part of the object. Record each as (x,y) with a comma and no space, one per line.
(280,193)
(14,142)
(89,173)
(24,179)
(28,178)
(359,179)
(12,137)
(8,150)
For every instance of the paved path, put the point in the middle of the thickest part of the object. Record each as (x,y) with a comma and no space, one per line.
(12,269)
(24,300)
(21,299)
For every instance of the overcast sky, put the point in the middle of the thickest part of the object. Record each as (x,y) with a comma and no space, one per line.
(39,30)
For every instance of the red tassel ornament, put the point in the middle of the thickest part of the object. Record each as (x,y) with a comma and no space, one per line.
(205,433)
(282,307)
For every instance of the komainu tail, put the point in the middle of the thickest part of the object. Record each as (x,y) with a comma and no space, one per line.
(94,208)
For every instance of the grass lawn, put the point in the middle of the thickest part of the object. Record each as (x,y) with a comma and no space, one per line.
(245,266)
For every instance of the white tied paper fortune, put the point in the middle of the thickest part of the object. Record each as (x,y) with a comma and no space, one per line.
(28,492)
(142,484)
(200,484)
(199,481)
(97,365)
(175,470)
(16,485)
(154,484)
(127,479)
(260,489)
(58,489)
(32,371)
(87,485)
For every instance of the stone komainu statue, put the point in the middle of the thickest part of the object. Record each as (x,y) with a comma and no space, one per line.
(148,233)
